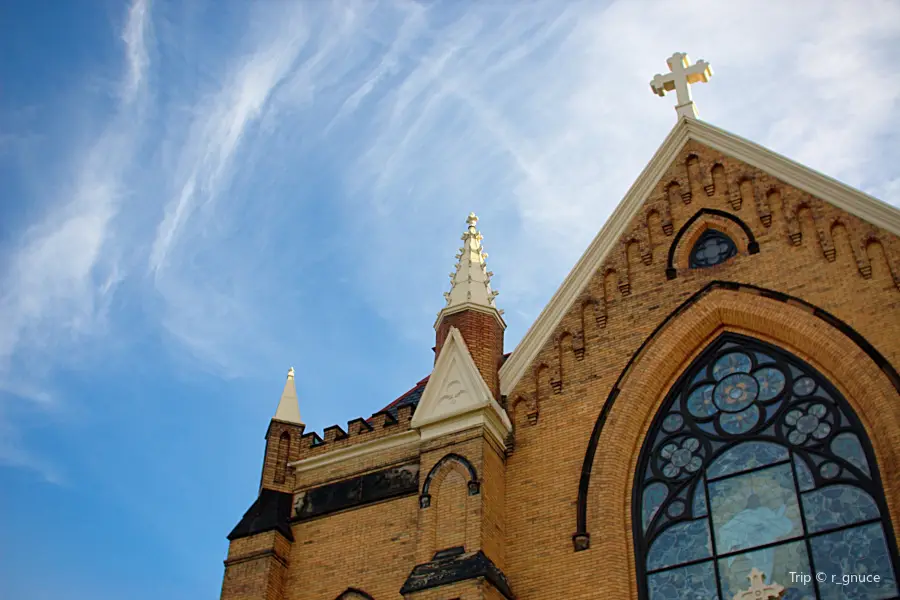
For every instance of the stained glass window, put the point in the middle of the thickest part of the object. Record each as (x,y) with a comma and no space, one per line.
(756,461)
(712,248)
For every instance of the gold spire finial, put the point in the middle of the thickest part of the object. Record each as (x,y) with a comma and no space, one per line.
(470,283)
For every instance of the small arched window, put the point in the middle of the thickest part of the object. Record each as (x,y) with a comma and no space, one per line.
(712,248)
(284,453)
(756,461)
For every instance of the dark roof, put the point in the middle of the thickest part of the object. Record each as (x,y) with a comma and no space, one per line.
(411,397)
(271,510)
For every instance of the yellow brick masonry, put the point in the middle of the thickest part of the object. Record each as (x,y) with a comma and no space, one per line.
(525,514)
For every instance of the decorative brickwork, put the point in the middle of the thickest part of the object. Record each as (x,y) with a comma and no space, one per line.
(552,510)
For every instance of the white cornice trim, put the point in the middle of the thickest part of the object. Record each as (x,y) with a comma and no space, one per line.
(790,172)
(458,308)
(514,367)
(840,195)
(397,440)
(456,397)
(485,418)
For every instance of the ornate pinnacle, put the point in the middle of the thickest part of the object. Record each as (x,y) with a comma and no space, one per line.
(470,283)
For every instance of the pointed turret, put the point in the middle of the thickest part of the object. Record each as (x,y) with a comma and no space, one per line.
(471,309)
(283,439)
(256,567)
(289,406)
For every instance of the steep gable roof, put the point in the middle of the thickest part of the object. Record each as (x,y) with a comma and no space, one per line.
(790,172)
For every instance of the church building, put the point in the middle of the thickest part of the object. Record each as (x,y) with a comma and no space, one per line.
(707,408)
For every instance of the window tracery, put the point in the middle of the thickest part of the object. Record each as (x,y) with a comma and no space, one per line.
(756,461)
(712,248)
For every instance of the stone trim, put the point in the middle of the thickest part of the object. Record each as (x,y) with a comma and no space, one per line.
(453,565)
(703,215)
(268,553)
(353,452)
(792,173)
(581,539)
(473,484)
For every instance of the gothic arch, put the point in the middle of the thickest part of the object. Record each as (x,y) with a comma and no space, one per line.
(756,460)
(440,466)
(702,220)
(282,456)
(859,372)
(353,594)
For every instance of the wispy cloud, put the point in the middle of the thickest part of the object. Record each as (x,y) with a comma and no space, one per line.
(203,308)
(60,279)
(325,151)
(135,37)
(540,118)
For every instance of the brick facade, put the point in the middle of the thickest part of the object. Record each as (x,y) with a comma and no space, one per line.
(810,278)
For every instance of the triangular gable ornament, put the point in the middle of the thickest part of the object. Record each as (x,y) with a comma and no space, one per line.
(456,396)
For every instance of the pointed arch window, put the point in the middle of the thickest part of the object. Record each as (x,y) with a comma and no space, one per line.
(284,452)
(712,248)
(755,460)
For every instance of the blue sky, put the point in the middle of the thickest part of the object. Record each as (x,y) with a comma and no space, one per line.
(196,195)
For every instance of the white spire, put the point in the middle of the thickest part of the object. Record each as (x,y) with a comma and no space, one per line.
(470,284)
(289,405)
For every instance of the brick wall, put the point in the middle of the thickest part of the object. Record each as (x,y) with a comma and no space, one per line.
(807,249)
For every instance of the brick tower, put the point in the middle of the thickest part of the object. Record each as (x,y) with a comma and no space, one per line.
(464,431)
(470,309)
(260,543)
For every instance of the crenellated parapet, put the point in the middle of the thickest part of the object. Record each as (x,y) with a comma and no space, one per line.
(380,425)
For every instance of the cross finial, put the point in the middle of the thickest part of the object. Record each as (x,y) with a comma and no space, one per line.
(682,74)
(758,589)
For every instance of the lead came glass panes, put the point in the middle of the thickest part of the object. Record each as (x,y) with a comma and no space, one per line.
(754,509)
(699,579)
(653,499)
(699,504)
(777,562)
(748,455)
(847,446)
(771,382)
(757,462)
(837,505)
(804,475)
(857,551)
(700,402)
(712,248)
(733,362)
(680,543)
